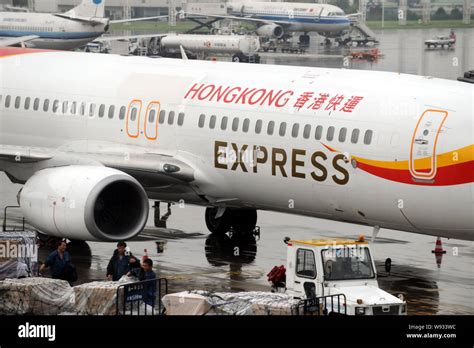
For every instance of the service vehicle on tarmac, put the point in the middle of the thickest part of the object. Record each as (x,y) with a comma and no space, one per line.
(334,275)
(440,41)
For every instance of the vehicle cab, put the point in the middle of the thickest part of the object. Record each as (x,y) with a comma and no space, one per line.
(326,267)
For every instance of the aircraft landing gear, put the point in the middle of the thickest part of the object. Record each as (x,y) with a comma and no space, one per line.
(221,220)
(160,221)
(304,39)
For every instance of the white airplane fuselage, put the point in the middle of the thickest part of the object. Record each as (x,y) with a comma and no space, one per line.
(305,17)
(373,148)
(54,32)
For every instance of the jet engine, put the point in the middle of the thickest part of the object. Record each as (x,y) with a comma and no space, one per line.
(85,203)
(270,30)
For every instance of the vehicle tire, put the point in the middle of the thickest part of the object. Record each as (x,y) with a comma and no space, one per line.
(236,58)
(218,225)
(304,39)
(244,220)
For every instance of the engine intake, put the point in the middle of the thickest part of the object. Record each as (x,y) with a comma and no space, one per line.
(85,202)
(270,30)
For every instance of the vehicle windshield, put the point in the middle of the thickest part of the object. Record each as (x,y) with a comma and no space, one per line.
(344,263)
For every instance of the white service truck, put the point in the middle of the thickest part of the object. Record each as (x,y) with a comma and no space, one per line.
(336,276)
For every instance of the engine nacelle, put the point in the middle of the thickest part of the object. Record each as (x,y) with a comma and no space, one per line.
(270,30)
(85,203)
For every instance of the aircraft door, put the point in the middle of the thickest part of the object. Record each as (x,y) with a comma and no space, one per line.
(133,118)
(151,120)
(423,145)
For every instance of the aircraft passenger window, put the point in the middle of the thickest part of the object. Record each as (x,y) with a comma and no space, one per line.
(368,137)
(355,136)
(46,105)
(307,131)
(102,110)
(282,130)
(171,117)
(36,104)
(27,102)
(270,127)
(7,101)
(133,115)
(202,119)
(17,102)
(180,118)
(305,263)
(212,122)
(91,110)
(162,116)
(122,112)
(342,134)
(55,106)
(82,109)
(235,124)
(111,111)
(318,134)
(151,116)
(295,130)
(65,105)
(73,108)
(330,134)
(224,123)
(246,125)
(258,126)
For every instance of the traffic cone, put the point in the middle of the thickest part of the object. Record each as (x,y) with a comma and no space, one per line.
(438,251)
(439,247)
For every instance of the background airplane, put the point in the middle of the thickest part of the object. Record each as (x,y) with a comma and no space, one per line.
(62,31)
(102,134)
(274,19)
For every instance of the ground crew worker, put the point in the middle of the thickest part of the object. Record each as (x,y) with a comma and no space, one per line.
(121,262)
(149,288)
(59,261)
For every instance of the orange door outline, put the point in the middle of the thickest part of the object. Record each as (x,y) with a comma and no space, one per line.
(154,135)
(432,173)
(138,104)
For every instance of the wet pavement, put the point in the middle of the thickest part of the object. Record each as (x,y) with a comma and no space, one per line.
(402,50)
(190,258)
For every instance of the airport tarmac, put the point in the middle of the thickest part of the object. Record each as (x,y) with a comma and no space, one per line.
(403,51)
(190,258)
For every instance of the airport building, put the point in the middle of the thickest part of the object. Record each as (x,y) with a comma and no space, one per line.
(116,9)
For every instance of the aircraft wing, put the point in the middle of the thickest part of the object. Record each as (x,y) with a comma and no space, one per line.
(125,38)
(11,41)
(146,167)
(23,154)
(247,18)
(118,21)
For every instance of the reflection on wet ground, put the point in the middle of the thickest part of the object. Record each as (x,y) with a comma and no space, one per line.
(197,260)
